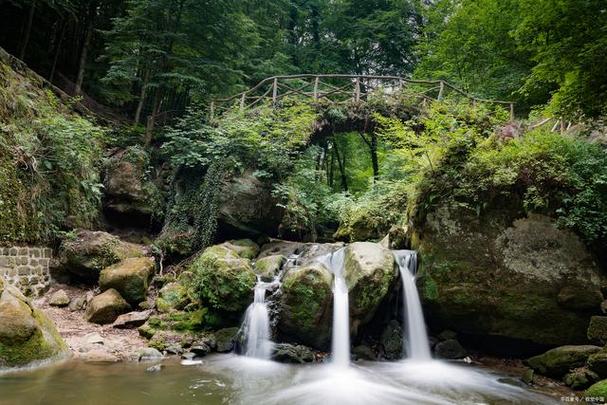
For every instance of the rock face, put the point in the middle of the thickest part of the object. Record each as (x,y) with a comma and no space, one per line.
(89,252)
(224,279)
(129,194)
(26,334)
(130,277)
(288,353)
(370,273)
(306,305)
(597,330)
(498,275)
(105,308)
(558,361)
(247,207)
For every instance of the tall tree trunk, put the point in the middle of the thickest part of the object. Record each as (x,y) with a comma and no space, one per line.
(85,47)
(51,76)
(342,167)
(142,94)
(152,118)
(374,158)
(27,31)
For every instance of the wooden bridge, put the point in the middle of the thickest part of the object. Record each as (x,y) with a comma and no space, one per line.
(342,88)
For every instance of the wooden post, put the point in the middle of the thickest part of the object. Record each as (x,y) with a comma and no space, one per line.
(440,91)
(511,111)
(242,101)
(212,111)
(316,80)
(357,90)
(275,91)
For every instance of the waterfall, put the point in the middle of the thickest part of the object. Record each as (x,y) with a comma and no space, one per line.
(340,340)
(416,338)
(256,326)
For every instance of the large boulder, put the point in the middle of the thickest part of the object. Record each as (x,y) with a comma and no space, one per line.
(370,272)
(306,305)
(106,307)
(247,207)
(86,253)
(172,297)
(496,275)
(26,333)
(130,277)
(296,354)
(558,361)
(224,279)
(268,267)
(130,195)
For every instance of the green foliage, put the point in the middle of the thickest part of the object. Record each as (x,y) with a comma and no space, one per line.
(50,162)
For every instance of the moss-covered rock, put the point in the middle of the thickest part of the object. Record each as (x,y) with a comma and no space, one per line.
(295,354)
(172,297)
(506,275)
(597,390)
(558,361)
(597,330)
(224,280)
(580,378)
(105,307)
(597,362)
(225,339)
(306,305)
(26,333)
(245,248)
(86,253)
(130,277)
(370,273)
(131,198)
(268,267)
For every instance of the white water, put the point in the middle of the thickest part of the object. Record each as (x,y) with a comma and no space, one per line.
(257,325)
(340,339)
(416,338)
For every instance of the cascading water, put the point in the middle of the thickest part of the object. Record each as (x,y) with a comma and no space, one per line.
(256,326)
(340,341)
(416,337)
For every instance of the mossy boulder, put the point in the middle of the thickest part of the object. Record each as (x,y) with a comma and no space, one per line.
(597,390)
(106,307)
(370,272)
(130,195)
(130,277)
(558,361)
(268,267)
(294,354)
(225,339)
(597,362)
(245,248)
(506,275)
(597,330)
(305,305)
(224,279)
(26,333)
(172,297)
(86,253)
(580,378)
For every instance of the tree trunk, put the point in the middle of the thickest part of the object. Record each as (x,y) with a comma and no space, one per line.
(51,76)
(27,31)
(85,48)
(374,159)
(142,94)
(342,167)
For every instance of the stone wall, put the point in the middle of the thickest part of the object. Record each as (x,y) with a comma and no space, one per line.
(27,268)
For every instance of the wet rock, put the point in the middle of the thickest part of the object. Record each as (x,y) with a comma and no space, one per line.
(225,339)
(528,376)
(149,354)
(225,279)
(188,356)
(106,307)
(370,273)
(130,277)
(98,356)
(172,297)
(580,378)
(88,252)
(289,353)
(597,362)
(200,349)
(597,330)
(364,352)
(391,341)
(59,299)
(155,368)
(26,333)
(305,305)
(268,267)
(503,274)
(277,247)
(557,362)
(450,349)
(131,320)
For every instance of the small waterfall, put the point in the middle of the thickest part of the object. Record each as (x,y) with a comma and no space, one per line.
(256,326)
(416,337)
(340,344)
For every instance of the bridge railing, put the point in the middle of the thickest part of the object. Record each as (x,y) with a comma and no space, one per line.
(340,88)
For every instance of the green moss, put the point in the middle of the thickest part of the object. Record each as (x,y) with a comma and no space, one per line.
(598,390)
